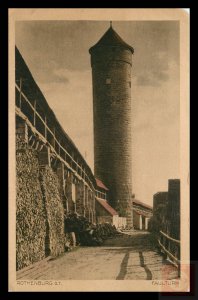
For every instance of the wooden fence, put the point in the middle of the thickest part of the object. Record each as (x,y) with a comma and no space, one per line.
(171,248)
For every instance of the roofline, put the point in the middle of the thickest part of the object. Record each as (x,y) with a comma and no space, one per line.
(145,214)
(165,192)
(50,111)
(127,47)
(103,188)
(142,204)
(122,43)
(103,200)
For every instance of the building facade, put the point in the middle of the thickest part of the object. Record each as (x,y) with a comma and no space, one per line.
(172,226)
(166,210)
(142,214)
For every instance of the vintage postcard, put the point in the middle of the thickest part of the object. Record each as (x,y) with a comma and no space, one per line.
(99,150)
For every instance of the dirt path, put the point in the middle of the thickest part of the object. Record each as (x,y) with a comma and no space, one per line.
(124,257)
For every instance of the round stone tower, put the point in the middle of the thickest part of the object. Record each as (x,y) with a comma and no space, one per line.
(111,61)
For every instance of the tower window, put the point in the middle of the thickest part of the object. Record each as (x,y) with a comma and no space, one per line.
(108,81)
(129,83)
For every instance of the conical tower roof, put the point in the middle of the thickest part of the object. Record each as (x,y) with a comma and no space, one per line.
(111,38)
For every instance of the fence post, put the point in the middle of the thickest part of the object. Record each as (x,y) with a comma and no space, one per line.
(20,87)
(34,113)
(45,127)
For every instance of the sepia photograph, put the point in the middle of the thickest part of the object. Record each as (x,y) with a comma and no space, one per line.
(99,150)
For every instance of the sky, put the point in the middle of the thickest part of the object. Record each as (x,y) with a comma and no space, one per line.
(57,54)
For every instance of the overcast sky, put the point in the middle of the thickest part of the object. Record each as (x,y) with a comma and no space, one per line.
(57,54)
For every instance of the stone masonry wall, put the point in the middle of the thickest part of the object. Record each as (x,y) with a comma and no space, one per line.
(112,130)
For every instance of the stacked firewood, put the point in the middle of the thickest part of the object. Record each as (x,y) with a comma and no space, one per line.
(30,213)
(42,229)
(54,211)
(39,211)
(87,234)
(20,142)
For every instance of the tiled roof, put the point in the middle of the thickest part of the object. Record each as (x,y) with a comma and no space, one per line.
(138,202)
(142,213)
(107,207)
(101,184)
(111,38)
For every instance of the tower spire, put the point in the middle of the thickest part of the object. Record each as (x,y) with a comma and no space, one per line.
(110,24)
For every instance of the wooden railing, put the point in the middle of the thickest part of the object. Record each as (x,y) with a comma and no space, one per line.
(39,121)
(171,248)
